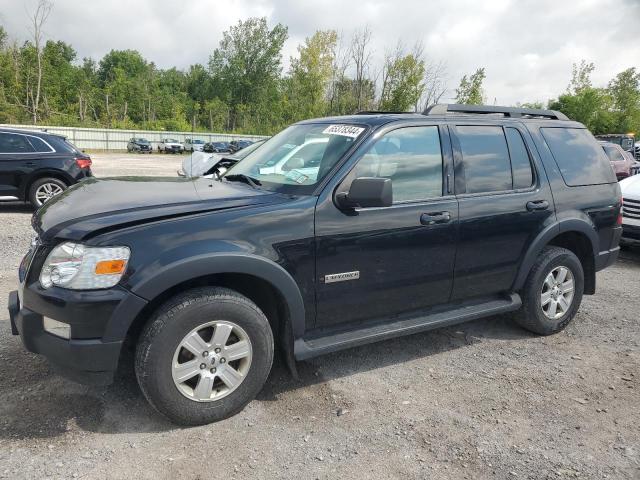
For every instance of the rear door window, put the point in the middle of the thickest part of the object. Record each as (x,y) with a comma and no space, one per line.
(14,143)
(520,161)
(485,158)
(613,153)
(579,156)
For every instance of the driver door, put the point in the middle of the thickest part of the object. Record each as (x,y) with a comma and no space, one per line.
(384,261)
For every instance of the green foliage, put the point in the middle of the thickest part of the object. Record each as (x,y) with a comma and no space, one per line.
(242,88)
(404,84)
(470,91)
(614,109)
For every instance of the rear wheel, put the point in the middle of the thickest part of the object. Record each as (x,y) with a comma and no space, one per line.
(552,293)
(44,189)
(204,355)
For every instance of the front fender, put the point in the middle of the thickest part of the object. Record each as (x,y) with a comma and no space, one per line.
(209,264)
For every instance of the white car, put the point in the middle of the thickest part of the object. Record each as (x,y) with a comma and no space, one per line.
(302,161)
(193,145)
(170,145)
(631,208)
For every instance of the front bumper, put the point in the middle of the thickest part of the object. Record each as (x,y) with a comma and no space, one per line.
(630,232)
(99,322)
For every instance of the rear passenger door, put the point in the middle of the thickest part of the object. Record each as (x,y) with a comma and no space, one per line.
(16,161)
(504,202)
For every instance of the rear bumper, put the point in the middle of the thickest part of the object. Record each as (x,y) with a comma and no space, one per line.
(607,258)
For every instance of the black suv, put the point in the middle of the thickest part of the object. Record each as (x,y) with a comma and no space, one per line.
(138,144)
(407,222)
(36,166)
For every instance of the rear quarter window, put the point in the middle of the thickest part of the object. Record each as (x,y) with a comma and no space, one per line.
(579,156)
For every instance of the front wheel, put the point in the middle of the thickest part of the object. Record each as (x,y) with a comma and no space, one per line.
(552,293)
(204,355)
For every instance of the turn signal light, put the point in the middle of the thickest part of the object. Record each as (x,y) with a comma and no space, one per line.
(110,267)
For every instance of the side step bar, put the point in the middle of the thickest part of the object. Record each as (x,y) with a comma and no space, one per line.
(312,347)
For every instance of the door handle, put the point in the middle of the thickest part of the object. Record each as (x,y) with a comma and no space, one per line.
(537,205)
(30,164)
(435,217)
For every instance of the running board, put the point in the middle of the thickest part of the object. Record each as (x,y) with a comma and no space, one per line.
(8,198)
(312,347)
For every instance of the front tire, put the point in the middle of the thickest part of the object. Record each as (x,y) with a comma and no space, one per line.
(204,355)
(552,293)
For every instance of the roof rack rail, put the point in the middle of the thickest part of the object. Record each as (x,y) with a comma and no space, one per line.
(380,112)
(512,112)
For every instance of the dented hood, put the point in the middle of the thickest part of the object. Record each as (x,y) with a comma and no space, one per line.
(97,205)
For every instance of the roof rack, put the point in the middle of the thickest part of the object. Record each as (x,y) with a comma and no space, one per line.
(511,112)
(380,112)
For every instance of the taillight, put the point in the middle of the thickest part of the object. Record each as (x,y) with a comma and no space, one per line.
(83,162)
(619,220)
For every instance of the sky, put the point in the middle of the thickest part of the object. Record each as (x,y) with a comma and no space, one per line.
(526,46)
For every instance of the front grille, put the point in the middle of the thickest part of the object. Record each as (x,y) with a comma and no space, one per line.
(630,208)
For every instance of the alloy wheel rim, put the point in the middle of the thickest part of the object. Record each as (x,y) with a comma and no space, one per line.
(47,191)
(211,361)
(557,292)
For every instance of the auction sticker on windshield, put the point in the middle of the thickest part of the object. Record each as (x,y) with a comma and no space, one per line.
(343,130)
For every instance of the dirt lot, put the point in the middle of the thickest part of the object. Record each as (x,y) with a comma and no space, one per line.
(481,400)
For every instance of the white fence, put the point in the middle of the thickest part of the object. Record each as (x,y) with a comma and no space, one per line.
(112,139)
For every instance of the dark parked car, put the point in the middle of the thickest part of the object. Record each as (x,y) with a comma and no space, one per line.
(36,166)
(141,145)
(217,147)
(239,144)
(408,222)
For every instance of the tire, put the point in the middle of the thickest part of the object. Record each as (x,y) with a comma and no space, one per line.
(533,316)
(160,350)
(44,189)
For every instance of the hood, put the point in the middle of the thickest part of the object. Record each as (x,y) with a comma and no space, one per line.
(196,164)
(630,186)
(94,206)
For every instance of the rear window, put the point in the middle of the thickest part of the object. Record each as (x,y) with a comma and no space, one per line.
(579,157)
(39,145)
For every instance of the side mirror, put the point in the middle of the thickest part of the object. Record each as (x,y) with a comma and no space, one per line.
(367,192)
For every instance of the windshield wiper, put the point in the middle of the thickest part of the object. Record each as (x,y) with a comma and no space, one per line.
(241,177)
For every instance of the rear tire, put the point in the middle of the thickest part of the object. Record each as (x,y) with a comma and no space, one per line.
(552,292)
(44,189)
(198,387)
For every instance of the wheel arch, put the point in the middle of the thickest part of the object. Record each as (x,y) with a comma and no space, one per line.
(575,235)
(45,173)
(263,281)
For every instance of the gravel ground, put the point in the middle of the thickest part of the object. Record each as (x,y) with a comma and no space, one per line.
(480,400)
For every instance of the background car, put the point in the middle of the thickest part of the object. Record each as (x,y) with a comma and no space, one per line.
(630,188)
(239,144)
(170,145)
(37,166)
(217,147)
(202,164)
(622,161)
(141,145)
(193,145)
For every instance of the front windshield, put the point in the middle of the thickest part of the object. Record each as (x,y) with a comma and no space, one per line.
(198,141)
(298,158)
(171,140)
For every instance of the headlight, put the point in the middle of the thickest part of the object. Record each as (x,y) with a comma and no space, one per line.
(78,267)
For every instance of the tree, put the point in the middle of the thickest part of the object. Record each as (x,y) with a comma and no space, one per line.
(470,91)
(402,84)
(310,75)
(38,20)
(361,55)
(246,68)
(624,91)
